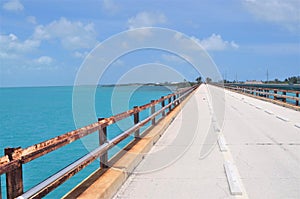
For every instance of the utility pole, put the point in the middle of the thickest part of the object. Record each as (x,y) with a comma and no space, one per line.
(267,76)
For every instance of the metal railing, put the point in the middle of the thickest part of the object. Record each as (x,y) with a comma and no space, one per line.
(269,93)
(11,163)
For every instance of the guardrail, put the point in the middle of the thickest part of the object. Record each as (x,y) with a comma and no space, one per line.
(270,93)
(11,163)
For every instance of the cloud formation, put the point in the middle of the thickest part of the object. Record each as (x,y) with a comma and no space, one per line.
(82,55)
(72,35)
(284,13)
(13,5)
(146,19)
(44,60)
(216,43)
(11,46)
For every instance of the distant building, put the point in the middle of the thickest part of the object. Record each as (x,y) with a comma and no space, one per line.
(253,82)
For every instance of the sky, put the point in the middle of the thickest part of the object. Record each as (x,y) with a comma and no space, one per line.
(44,43)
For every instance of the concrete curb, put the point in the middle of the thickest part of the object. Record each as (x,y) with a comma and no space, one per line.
(105,184)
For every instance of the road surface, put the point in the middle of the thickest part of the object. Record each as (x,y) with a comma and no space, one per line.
(231,146)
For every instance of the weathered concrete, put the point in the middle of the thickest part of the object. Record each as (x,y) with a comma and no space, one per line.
(105,183)
(264,149)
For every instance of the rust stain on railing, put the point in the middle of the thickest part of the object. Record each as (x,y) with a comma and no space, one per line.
(11,163)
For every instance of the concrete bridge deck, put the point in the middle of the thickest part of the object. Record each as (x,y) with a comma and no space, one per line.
(256,153)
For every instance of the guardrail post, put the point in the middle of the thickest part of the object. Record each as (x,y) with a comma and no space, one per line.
(275,97)
(14,178)
(102,140)
(136,118)
(284,93)
(174,98)
(260,94)
(162,106)
(169,101)
(153,111)
(297,101)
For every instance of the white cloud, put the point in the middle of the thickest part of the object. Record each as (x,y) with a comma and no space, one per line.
(44,60)
(143,20)
(31,19)
(78,54)
(72,35)
(282,12)
(13,5)
(146,19)
(11,45)
(216,43)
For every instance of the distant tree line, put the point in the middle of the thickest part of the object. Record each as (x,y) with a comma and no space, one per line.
(199,80)
(289,80)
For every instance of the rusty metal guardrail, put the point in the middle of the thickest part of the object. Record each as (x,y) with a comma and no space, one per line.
(11,163)
(277,95)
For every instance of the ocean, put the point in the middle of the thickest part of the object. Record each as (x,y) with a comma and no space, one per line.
(31,115)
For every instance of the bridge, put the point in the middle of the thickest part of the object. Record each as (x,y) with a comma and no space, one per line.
(233,145)
(256,156)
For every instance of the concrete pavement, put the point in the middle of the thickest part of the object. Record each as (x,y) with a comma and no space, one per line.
(252,151)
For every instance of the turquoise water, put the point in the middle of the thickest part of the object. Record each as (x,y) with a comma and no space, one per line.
(32,115)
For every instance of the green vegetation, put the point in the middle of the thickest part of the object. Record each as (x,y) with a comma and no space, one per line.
(208,80)
(199,80)
(293,80)
(289,80)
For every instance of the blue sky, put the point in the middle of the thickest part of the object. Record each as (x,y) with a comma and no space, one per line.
(43,43)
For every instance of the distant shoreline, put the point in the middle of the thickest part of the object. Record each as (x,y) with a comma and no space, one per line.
(107,85)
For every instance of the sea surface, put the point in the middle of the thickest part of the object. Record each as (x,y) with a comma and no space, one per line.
(31,115)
